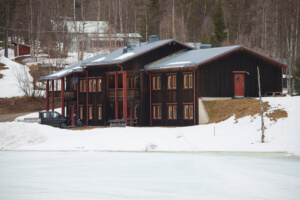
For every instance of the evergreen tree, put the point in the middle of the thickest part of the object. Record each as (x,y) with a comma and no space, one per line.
(219,25)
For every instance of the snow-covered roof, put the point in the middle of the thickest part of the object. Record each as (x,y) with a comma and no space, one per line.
(120,56)
(114,57)
(98,29)
(198,57)
(68,70)
(89,26)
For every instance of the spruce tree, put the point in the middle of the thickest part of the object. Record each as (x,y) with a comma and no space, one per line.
(219,25)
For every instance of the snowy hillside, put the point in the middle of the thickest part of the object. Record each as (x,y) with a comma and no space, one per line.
(9,83)
(231,135)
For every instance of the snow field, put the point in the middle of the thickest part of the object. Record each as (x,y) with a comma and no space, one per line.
(242,135)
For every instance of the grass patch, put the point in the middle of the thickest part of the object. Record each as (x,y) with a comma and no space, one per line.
(221,110)
(277,114)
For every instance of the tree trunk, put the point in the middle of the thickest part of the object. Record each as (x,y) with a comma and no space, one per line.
(261,109)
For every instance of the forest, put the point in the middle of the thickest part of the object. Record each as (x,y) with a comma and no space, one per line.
(268,26)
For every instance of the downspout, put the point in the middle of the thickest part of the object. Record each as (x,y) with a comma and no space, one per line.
(194,94)
(150,82)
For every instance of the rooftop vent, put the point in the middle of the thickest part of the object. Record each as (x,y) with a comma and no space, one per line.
(153,38)
(129,47)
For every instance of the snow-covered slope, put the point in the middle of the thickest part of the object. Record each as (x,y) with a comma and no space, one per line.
(9,83)
(230,135)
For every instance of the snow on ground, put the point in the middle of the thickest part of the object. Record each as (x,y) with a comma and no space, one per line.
(94,175)
(10,53)
(231,135)
(9,83)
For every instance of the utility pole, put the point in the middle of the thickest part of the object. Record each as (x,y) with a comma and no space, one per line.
(261,109)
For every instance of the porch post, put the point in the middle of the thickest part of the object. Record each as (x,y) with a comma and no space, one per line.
(125,96)
(77,99)
(116,97)
(52,97)
(87,97)
(47,96)
(62,96)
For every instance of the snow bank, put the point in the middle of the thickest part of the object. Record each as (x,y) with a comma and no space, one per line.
(231,135)
(9,83)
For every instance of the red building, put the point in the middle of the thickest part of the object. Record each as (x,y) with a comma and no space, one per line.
(21,49)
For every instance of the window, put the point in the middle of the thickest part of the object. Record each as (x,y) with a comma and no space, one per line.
(111,81)
(131,83)
(156,112)
(99,83)
(90,112)
(172,82)
(188,111)
(92,85)
(99,112)
(188,81)
(156,85)
(172,112)
(82,85)
(135,112)
(80,112)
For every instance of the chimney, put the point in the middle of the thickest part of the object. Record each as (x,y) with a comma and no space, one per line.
(153,38)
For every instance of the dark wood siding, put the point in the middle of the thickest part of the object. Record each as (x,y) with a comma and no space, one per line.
(215,79)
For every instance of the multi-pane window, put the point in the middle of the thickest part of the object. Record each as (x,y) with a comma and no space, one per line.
(80,112)
(92,85)
(82,85)
(188,81)
(188,111)
(99,83)
(135,111)
(99,112)
(131,83)
(156,85)
(90,112)
(171,81)
(172,112)
(156,112)
(111,81)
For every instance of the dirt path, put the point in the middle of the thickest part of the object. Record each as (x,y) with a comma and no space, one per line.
(9,117)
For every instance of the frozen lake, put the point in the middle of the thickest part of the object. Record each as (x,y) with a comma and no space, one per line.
(117,175)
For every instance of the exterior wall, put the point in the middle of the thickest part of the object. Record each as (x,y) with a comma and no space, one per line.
(137,98)
(166,97)
(23,50)
(215,79)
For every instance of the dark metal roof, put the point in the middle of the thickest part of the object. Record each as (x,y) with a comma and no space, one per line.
(199,57)
(114,57)
(122,55)
(78,67)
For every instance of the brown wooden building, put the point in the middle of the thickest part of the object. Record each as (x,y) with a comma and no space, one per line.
(160,83)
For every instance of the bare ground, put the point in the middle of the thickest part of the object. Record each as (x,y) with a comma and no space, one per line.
(22,105)
(221,110)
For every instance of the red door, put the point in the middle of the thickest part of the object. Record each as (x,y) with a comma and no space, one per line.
(239,85)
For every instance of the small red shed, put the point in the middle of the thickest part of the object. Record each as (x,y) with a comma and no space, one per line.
(21,49)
